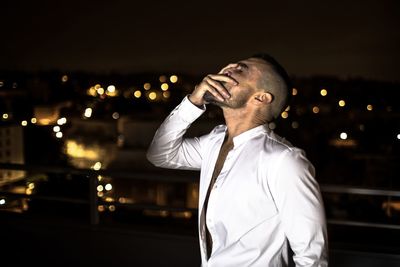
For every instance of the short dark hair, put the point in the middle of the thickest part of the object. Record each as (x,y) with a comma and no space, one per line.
(277,67)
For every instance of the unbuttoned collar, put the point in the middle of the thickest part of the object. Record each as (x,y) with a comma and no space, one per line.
(249,134)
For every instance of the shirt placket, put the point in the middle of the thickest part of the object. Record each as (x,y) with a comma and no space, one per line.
(213,204)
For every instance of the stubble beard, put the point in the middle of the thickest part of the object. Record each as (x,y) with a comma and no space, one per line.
(235,102)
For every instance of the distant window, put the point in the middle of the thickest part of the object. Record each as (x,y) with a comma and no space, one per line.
(8,153)
(8,142)
(8,131)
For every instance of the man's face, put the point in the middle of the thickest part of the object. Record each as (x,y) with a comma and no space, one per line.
(247,73)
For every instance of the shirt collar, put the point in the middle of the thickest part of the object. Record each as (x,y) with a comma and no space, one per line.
(249,134)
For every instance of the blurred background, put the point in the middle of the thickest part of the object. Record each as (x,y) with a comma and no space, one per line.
(85,84)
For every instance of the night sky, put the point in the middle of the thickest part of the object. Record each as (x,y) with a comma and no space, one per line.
(344,38)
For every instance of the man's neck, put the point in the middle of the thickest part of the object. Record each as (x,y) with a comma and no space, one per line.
(240,121)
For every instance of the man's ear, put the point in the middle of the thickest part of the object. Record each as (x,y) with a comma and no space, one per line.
(264,98)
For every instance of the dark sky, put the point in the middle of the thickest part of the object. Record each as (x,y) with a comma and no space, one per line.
(345,38)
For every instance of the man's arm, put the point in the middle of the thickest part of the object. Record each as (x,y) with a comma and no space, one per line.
(168,148)
(299,202)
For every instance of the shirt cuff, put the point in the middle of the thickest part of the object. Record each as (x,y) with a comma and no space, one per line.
(188,111)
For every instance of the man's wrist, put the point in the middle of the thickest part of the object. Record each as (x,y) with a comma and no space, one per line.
(196,102)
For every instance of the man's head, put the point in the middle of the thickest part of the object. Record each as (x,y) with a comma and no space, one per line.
(277,82)
(261,79)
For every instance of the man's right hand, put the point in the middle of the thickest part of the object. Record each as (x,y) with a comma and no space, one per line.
(214,84)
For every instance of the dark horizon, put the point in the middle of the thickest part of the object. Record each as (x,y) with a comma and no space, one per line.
(356,39)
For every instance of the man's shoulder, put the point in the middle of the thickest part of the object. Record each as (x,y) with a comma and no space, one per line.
(274,143)
(276,147)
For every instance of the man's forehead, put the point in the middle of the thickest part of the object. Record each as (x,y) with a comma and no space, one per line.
(253,61)
(255,64)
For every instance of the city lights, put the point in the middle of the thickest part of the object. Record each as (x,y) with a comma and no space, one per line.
(76,150)
(147,86)
(153,96)
(97,166)
(24,123)
(173,78)
(137,94)
(166,94)
(88,112)
(100,91)
(62,121)
(111,91)
(164,86)
(111,121)
(64,78)
(115,115)
(108,187)
(111,88)
(111,208)
(92,91)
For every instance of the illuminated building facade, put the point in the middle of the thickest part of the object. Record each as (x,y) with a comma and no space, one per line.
(11,151)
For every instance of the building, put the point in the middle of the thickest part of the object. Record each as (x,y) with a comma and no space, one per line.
(11,151)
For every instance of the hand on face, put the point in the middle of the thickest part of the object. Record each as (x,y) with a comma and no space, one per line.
(212,88)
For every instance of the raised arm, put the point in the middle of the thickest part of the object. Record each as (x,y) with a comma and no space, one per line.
(169,149)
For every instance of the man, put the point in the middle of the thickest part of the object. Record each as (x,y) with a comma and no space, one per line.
(257,193)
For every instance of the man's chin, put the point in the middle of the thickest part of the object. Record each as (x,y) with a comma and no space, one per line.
(210,99)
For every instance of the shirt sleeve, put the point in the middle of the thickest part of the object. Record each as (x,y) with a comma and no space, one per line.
(169,149)
(299,202)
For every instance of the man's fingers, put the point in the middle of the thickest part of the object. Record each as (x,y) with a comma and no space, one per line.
(222,78)
(215,92)
(219,87)
(232,65)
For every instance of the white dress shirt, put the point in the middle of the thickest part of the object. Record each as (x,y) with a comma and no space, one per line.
(264,197)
